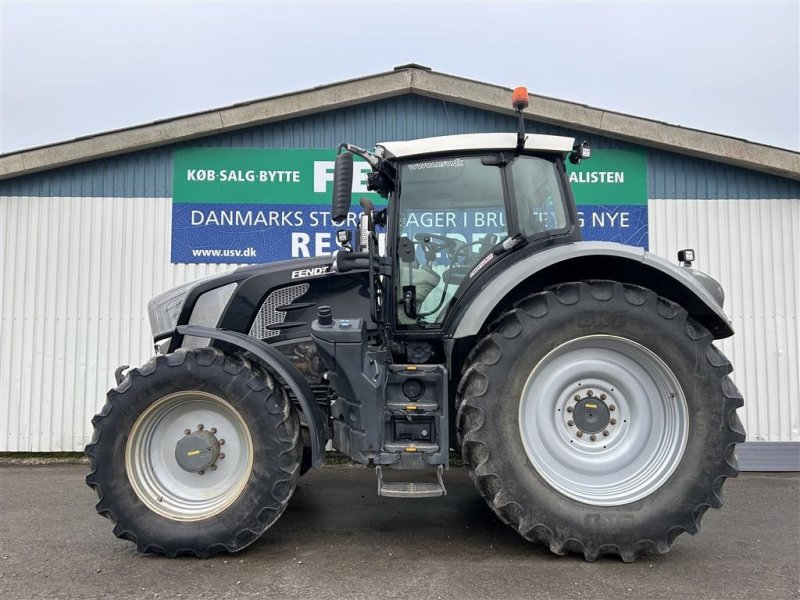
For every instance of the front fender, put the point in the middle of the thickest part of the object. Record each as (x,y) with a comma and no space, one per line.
(700,294)
(283,368)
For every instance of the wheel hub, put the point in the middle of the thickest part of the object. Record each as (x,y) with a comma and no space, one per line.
(603,419)
(197,451)
(591,415)
(164,470)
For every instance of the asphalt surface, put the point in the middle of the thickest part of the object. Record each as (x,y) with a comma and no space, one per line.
(338,539)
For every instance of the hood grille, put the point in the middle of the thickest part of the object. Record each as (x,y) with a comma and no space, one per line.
(269,315)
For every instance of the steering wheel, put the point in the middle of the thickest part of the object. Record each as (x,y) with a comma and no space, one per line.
(433,243)
(446,243)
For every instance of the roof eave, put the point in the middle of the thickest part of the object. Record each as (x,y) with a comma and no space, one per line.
(202,124)
(646,132)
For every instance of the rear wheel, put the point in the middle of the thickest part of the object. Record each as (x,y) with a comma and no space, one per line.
(195,453)
(599,418)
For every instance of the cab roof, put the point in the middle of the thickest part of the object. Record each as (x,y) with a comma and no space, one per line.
(473,141)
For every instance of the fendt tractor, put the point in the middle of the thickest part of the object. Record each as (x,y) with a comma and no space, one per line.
(578,380)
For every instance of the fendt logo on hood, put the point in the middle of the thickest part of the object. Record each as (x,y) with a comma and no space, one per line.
(300,273)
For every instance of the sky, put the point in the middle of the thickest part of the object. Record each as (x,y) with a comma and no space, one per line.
(70,69)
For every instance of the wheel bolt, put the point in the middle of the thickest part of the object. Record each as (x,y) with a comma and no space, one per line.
(570,409)
(580,434)
(213,467)
(213,430)
(221,455)
(187,431)
(200,427)
(221,442)
(200,472)
(602,396)
(576,397)
(612,407)
(613,421)
(589,393)
(605,432)
(593,437)
(570,423)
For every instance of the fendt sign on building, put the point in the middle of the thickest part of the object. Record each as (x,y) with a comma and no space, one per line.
(242,205)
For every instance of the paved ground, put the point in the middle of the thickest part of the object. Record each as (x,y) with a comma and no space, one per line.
(338,539)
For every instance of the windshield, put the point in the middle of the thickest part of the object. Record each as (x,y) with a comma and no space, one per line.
(453,212)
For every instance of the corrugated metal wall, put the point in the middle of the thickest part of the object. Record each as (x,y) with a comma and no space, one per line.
(77,274)
(83,248)
(752,248)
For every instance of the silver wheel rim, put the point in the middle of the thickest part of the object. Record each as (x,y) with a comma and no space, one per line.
(160,482)
(627,460)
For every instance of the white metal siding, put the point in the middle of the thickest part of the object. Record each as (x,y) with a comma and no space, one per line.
(76,275)
(752,248)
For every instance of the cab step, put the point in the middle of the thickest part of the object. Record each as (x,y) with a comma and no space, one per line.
(411,489)
(411,446)
(411,406)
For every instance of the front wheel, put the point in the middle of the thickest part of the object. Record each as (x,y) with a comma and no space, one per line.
(195,453)
(599,418)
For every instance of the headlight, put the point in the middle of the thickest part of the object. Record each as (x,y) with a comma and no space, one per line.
(165,309)
(206,312)
(209,306)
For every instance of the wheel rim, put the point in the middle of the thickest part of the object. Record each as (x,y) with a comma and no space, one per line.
(579,450)
(162,483)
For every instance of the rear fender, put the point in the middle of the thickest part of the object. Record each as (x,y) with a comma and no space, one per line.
(697,292)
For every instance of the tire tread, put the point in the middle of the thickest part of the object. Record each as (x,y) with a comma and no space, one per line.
(259,380)
(472,402)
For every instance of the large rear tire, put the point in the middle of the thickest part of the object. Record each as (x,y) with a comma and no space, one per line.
(195,453)
(599,418)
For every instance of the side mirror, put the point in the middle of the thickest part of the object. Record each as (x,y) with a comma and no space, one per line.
(342,187)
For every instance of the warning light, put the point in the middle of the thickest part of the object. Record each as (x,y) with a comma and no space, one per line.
(519,98)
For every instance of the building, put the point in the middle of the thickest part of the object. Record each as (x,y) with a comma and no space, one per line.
(90,228)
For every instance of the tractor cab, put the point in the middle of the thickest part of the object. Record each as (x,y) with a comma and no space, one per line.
(457,204)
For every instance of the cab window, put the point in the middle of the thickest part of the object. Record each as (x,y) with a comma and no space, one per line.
(537,195)
(452,213)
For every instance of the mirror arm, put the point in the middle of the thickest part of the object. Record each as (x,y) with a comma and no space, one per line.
(373,159)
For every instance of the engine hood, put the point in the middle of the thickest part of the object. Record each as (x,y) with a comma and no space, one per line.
(289,291)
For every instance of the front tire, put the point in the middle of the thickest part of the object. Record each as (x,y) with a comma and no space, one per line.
(599,418)
(195,453)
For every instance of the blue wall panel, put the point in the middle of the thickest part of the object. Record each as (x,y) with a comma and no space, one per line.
(148,173)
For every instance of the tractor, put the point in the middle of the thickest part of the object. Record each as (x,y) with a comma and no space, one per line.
(578,380)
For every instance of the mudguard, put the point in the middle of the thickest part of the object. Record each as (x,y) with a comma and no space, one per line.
(700,294)
(283,368)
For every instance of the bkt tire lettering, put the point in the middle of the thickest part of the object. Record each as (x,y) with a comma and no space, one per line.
(592,318)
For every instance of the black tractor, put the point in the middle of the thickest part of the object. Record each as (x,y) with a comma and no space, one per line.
(578,380)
